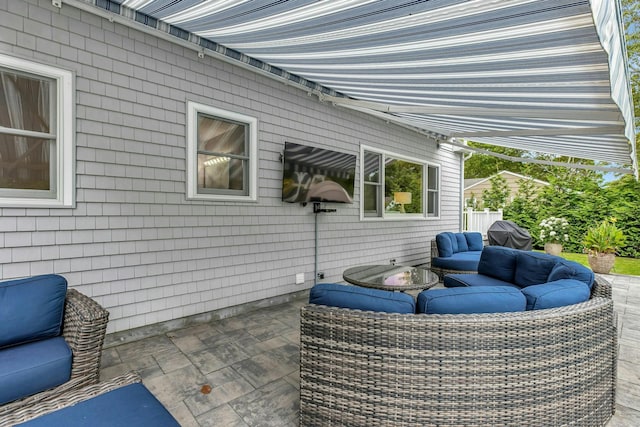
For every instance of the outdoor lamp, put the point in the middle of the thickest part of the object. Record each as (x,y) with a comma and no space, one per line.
(402,198)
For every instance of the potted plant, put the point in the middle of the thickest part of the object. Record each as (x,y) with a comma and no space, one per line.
(601,243)
(553,231)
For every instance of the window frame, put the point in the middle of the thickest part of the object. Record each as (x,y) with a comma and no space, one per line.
(63,161)
(382,215)
(193,109)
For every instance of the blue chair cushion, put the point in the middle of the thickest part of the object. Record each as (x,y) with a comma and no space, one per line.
(565,269)
(463,261)
(454,241)
(480,299)
(130,405)
(533,268)
(355,297)
(498,262)
(474,240)
(445,247)
(556,294)
(32,308)
(468,280)
(462,242)
(33,367)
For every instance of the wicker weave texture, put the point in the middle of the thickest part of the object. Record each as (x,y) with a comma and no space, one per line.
(548,367)
(84,327)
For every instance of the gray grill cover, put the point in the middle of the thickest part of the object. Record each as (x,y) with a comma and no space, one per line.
(509,234)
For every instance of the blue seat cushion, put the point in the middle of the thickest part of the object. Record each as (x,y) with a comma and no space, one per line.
(130,405)
(474,240)
(533,268)
(337,295)
(556,294)
(478,299)
(498,262)
(33,367)
(469,279)
(32,308)
(463,261)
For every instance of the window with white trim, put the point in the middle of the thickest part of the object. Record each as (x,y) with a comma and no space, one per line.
(222,154)
(398,187)
(36,135)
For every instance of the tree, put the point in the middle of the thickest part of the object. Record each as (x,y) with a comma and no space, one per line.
(497,196)
(523,210)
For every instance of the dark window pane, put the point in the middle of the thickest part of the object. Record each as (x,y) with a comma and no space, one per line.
(403,177)
(25,163)
(220,136)
(25,102)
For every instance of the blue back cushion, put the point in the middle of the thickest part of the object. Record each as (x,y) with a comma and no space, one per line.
(445,247)
(533,268)
(31,309)
(33,367)
(474,240)
(477,299)
(462,242)
(131,405)
(566,269)
(355,297)
(498,262)
(556,294)
(454,241)
(470,279)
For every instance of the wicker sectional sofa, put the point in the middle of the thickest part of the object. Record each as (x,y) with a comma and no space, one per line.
(544,367)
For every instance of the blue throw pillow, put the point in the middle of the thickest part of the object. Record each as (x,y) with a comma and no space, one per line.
(474,240)
(556,294)
(575,271)
(31,308)
(533,268)
(498,262)
(355,297)
(477,299)
(445,247)
(462,242)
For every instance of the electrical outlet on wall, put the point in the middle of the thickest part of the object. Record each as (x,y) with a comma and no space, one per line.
(299,278)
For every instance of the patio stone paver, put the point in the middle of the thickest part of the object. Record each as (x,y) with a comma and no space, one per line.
(251,363)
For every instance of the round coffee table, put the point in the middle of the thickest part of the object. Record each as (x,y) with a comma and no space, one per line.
(391,277)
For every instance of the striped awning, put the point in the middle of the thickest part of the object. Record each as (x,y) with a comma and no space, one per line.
(549,76)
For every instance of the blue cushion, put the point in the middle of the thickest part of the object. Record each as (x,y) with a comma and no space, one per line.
(533,268)
(131,405)
(30,368)
(462,242)
(474,240)
(454,241)
(462,261)
(577,271)
(556,294)
(498,262)
(464,280)
(31,308)
(445,247)
(336,295)
(479,299)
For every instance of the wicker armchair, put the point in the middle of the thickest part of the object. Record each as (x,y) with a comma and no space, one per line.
(441,272)
(546,367)
(84,327)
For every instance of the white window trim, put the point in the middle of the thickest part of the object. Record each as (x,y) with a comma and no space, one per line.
(193,108)
(65,135)
(396,217)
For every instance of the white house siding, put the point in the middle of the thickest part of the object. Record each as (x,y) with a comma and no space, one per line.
(133,242)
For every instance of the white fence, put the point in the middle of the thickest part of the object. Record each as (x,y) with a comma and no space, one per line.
(480,220)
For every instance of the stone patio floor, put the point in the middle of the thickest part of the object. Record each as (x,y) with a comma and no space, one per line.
(251,363)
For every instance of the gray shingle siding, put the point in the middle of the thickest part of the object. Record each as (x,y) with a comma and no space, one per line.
(134,242)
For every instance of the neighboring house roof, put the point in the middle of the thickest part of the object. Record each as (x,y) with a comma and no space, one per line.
(472,182)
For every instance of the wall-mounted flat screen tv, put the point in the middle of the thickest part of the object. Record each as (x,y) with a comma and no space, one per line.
(312,174)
